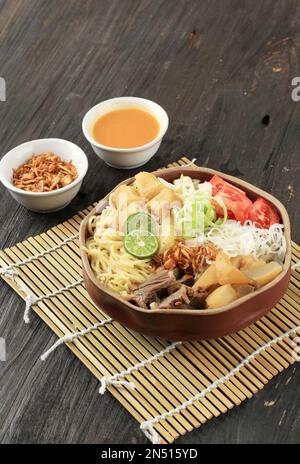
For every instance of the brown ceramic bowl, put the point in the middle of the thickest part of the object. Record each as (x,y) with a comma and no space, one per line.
(182,324)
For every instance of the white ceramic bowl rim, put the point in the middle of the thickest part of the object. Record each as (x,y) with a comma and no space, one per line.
(78,179)
(160,135)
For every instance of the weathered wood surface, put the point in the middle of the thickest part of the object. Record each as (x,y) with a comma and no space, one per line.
(218,68)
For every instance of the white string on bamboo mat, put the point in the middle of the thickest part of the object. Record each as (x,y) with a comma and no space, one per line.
(113,379)
(31,299)
(190,163)
(148,426)
(9,272)
(71,336)
(296,265)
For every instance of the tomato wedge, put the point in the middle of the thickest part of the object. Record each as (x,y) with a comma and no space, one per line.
(218,183)
(220,212)
(235,199)
(263,214)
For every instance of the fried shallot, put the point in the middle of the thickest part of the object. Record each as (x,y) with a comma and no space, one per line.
(44,173)
(191,260)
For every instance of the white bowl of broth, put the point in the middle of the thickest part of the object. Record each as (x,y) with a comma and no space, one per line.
(125,132)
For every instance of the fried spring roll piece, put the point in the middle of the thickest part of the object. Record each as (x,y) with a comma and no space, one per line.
(147,185)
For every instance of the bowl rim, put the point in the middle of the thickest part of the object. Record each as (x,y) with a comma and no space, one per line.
(191,312)
(92,141)
(78,179)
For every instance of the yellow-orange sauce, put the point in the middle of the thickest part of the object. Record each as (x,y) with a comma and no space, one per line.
(126,128)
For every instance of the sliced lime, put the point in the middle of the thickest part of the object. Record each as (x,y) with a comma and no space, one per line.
(141,222)
(141,244)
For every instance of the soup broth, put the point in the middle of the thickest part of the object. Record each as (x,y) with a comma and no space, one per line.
(126,128)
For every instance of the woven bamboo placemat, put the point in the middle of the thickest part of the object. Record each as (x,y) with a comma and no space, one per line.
(178,387)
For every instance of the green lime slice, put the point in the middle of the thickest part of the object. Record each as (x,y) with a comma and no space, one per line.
(141,222)
(141,244)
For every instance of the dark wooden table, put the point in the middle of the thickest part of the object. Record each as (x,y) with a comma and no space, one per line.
(218,67)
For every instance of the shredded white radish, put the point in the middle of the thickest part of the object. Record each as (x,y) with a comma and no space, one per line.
(236,239)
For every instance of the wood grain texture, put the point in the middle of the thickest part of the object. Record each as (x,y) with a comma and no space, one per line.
(217,68)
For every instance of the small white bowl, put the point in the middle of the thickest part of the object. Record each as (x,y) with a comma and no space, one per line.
(125,158)
(44,202)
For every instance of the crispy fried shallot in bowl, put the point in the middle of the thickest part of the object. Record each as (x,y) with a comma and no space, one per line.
(44,175)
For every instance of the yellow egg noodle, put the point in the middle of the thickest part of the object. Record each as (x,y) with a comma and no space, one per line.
(110,263)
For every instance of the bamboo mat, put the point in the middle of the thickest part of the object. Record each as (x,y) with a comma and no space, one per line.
(171,379)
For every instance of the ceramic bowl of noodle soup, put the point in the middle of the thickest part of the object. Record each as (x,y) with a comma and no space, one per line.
(169,295)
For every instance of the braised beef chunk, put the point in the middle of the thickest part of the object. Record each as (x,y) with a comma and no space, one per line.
(177,273)
(184,298)
(175,299)
(187,279)
(163,289)
(154,287)
(197,299)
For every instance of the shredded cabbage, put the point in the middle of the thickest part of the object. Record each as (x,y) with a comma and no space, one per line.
(198,213)
(236,239)
(184,185)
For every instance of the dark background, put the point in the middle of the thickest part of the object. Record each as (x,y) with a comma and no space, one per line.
(217,67)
